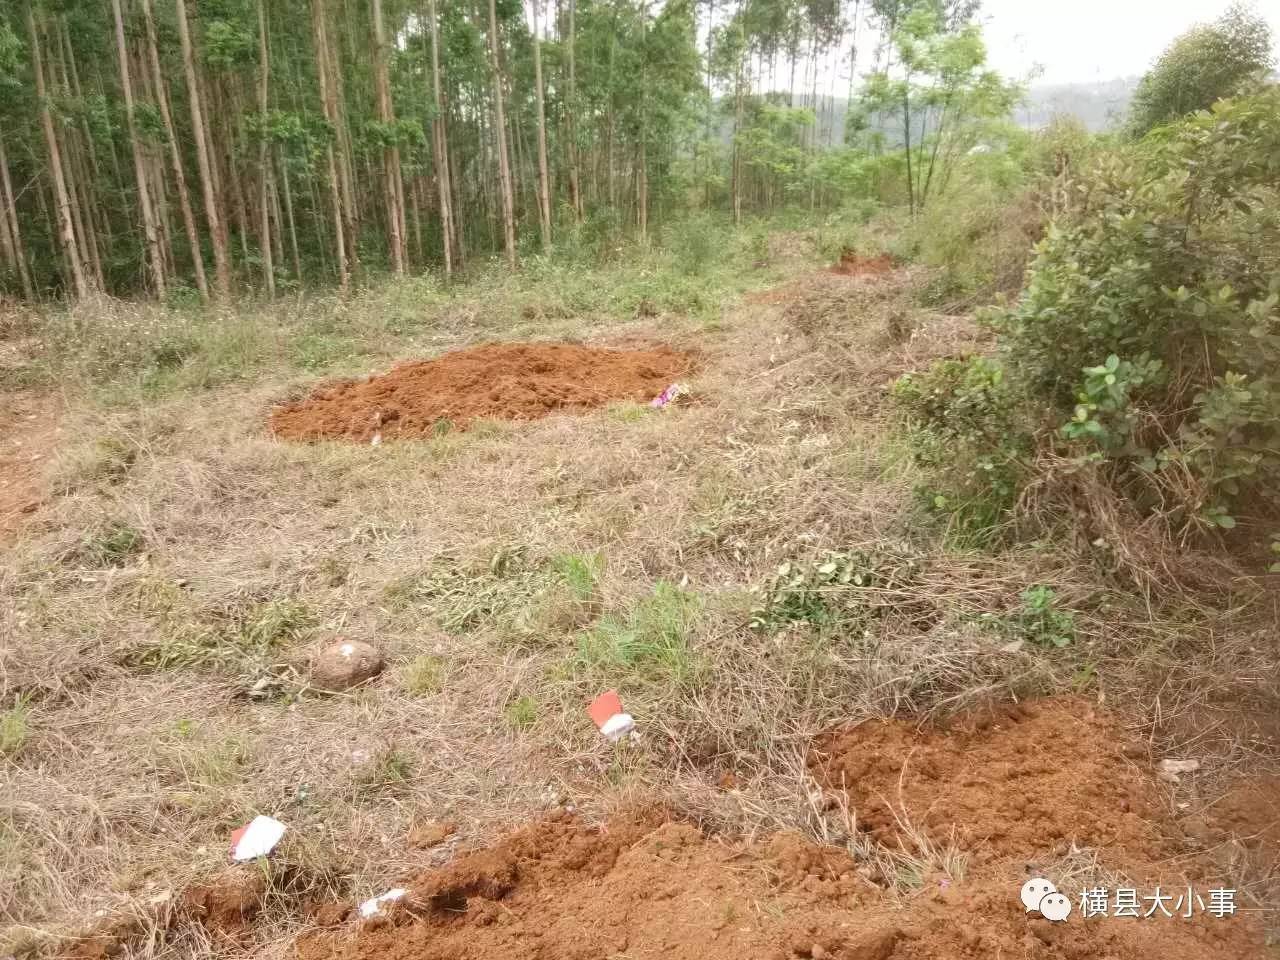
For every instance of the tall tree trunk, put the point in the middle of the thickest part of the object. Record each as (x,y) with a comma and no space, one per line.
(440,145)
(149,226)
(500,132)
(217,233)
(736,161)
(642,170)
(10,214)
(66,228)
(341,218)
(853,70)
(391,155)
(288,216)
(906,137)
(81,172)
(264,168)
(571,111)
(544,178)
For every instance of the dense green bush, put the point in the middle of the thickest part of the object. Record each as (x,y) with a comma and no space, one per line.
(1150,317)
(969,431)
(1148,335)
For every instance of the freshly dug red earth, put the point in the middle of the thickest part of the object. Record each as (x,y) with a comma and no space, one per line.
(640,887)
(1016,781)
(852,265)
(509,381)
(647,888)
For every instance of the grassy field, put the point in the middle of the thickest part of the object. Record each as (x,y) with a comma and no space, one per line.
(746,569)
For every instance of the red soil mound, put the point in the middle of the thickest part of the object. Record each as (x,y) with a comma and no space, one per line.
(1021,781)
(852,265)
(512,381)
(563,890)
(643,888)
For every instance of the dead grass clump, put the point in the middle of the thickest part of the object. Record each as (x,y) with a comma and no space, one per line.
(1072,501)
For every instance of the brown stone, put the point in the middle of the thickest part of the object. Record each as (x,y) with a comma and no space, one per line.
(345,663)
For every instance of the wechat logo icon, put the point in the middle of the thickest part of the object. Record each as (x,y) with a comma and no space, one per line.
(1040,895)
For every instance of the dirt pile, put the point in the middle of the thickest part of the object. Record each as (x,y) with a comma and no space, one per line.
(640,887)
(853,265)
(1017,781)
(509,381)
(1012,788)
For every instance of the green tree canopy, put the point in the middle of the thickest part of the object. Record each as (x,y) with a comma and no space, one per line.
(1203,65)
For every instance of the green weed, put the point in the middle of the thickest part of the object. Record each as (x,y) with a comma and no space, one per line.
(114,545)
(387,772)
(14,729)
(650,639)
(1038,620)
(244,641)
(835,588)
(521,713)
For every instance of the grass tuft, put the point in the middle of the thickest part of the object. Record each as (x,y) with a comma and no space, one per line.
(15,728)
(651,639)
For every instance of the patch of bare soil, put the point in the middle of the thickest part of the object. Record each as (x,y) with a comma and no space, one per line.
(1015,787)
(509,381)
(640,887)
(1017,781)
(853,265)
(28,435)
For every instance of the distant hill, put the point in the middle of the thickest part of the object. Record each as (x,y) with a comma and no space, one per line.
(1098,106)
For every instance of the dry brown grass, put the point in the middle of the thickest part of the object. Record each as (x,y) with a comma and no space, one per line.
(165,670)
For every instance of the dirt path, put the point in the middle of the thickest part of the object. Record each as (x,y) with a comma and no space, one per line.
(29,428)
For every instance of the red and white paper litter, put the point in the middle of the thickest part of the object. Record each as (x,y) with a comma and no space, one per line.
(374,905)
(669,395)
(606,711)
(256,838)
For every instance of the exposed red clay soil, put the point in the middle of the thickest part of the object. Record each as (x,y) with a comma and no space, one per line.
(1017,785)
(229,902)
(852,265)
(509,381)
(28,435)
(1017,781)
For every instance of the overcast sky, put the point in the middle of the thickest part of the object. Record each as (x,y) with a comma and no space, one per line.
(1084,40)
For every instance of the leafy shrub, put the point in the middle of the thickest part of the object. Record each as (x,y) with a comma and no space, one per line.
(1038,620)
(1151,322)
(969,432)
(834,588)
(1206,63)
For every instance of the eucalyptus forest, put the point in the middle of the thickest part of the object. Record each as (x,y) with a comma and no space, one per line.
(219,147)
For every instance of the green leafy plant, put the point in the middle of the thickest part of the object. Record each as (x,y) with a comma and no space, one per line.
(1038,620)
(1151,320)
(833,588)
(968,431)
